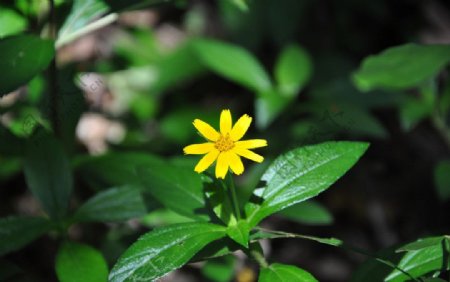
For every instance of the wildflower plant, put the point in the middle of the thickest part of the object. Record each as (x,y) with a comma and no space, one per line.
(223,223)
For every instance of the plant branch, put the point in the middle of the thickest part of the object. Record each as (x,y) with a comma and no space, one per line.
(336,243)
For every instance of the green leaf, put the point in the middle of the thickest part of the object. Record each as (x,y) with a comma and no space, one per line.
(177,188)
(293,70)
(421,261)
(309,212)
(48,173)
(268,106)
(402,66)
(442,179)
(82,13)
(301,174)
(24,56)
(115,204)
(278,272)
(17,231)
(234,63)
(239,232)
(11,22)
(219,200)
(164,249)
(414,110)
(421,244)
(220,269)
(80,262)
(114,169)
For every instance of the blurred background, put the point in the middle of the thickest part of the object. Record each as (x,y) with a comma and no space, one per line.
(133,84)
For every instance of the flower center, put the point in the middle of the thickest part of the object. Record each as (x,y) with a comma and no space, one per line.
(224,143)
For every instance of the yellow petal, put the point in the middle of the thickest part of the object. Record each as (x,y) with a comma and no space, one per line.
(241,127)
(248,154)
(222,165)
(206,130)
(206,161)
(251,144)
(236,164)
(198,149)
(225,122)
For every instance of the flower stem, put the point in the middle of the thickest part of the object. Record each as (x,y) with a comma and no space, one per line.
(234,199)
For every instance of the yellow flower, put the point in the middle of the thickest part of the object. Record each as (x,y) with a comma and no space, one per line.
(224,146)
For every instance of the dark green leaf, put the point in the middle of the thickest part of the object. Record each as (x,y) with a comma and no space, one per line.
(79,262)
(302,174)
(309,212)
(442,180)
(178,188)
(162,250)
(24,56)
(239,232)
(402,66)
(114,169)
(234,63)
(48,173)
(293,70)
(278,272)
(16,232)
(115,204)
(120,5)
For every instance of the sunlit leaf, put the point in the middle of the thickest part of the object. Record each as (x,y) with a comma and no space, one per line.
(302,174)
(278,272)
(164,249)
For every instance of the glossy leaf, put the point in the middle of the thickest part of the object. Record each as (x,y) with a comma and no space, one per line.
(16,232)
(115,204)
(178,188)
(278,272)
(293,70)
(234,63)
(309,212)
(164,249)
(82,13)
(402,66)
(442,180)
(421,244)
(11,22)
(302,174)
(80,262)
(239,232)
(48,173)
(24,56)
(428,257)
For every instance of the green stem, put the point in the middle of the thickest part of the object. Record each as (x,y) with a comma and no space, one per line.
(255,251)
(234,199)
(338,243)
